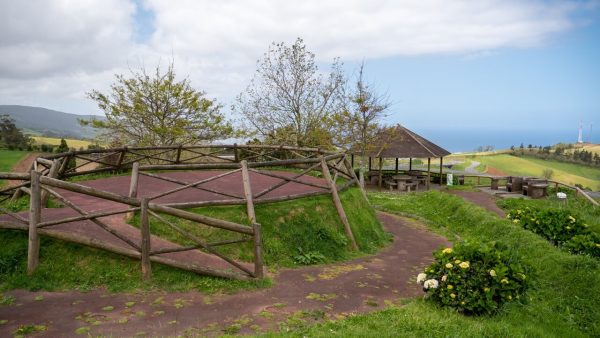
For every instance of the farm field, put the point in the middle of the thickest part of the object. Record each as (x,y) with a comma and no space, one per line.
(72,143)
(563,172)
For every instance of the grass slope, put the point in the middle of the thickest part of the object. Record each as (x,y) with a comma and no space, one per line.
(563,301)
(564,172)
(309,223)
(292,231)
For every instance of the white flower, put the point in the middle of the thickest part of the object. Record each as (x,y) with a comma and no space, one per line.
(444,277)
(421,278)
(431,284)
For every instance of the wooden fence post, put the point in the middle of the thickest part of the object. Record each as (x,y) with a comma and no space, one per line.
(258,259)
(429,172)
(53,173)
(360,186)
(133,184)
(178,158)
(18,192)
(145,244)
(236,153)
(338,204)
(35,213)
(121,157)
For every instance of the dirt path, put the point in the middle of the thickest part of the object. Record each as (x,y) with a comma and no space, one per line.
(22,166)
(480,198)
(298,297)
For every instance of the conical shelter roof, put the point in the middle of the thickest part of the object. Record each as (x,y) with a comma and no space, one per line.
(399,142)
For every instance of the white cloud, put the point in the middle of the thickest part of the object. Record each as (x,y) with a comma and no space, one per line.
(61,49)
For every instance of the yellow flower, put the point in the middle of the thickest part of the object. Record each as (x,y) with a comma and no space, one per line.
(462,303)
(464,265)
(522,275)
(568,227)
(447,250)
(504,281)
(486,289)
(449,266)
(493,273)
(572,219)
(450,287)
(515,221)
(598,245)
(452,295)
(509,297)
(457,261)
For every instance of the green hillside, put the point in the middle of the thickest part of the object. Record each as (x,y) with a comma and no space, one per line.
(568,173)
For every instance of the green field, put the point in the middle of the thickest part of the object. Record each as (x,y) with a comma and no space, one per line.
(568,173)
(72,143)
(8,158)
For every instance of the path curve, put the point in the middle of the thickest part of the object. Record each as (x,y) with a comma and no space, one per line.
(481,199)
(322,292)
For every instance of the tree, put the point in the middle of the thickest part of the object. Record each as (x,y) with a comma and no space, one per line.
(156,110)
(12,137)
(289,101)
(63,147)
(357,127)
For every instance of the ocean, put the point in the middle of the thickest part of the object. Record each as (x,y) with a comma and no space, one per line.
(466,140)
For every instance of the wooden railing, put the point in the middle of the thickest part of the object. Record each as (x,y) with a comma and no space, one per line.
(47,174)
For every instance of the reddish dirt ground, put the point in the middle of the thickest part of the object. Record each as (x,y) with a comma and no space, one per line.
(480,198)
(22,166)
(494,171)
(325,292)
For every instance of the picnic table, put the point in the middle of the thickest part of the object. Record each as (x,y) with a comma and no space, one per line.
(405,182)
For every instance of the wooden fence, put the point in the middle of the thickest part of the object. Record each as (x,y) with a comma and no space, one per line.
(47,175)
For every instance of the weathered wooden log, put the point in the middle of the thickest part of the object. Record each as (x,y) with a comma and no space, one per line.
(14,176)
(145,240)
(53,173)
(190,216)
(98,244)
(87,216)
(362,189)
(90,191)
(133,185)
(98,222)
(203,244)
(291,179)
(194,185)
(338,204)
(35,215)
(258,257)
(248,192)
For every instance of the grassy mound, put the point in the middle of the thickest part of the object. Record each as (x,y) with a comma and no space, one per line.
(298,232)
(561,303)
(308,227)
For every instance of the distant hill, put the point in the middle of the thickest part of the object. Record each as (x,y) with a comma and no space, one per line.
(47,122)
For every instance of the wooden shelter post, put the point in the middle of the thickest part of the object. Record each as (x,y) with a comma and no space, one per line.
(441,170)
(380,180)
(428,172)
(396,165)
(410,164)
(370,165)
(35,214)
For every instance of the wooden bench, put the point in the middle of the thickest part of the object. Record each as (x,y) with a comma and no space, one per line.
(391,184)
(413,185)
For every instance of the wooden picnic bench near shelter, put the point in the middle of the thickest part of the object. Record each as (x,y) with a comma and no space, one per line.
(400,142)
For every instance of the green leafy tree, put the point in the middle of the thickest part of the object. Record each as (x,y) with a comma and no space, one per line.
(157,109)
(289,100)
(63,147)
(12,137)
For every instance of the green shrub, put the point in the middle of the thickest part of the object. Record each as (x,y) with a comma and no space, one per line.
(560,227)
(474,278)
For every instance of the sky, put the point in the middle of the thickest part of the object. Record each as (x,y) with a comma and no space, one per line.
(445,65)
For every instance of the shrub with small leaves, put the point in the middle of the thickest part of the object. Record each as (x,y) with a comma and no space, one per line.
(474,278)
(560,227)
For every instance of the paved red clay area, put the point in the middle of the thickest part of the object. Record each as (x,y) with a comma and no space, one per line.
(481,199)
(325,292)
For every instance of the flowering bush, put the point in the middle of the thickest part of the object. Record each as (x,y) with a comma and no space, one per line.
(559,227)
(474,278)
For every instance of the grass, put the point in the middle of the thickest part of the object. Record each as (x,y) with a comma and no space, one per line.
(8,158)
(72,143)
(304,230)
(310,223)
(526,166)
(562,302)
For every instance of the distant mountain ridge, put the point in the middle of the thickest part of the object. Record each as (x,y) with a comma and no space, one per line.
(47,122)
